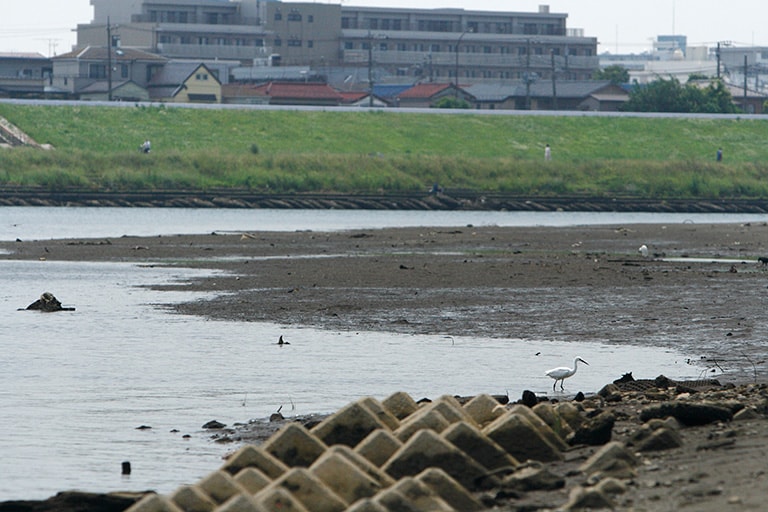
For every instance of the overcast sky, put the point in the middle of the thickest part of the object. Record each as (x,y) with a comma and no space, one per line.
(46,26)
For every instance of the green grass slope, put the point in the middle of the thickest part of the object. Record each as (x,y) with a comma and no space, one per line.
(380,152)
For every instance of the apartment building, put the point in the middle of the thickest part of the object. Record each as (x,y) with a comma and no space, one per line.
(388,44)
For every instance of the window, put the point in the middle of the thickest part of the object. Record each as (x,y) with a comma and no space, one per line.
(278,41)
(310,44)
(383,47)
(349,45)
(201,76)
(487,49)
(310,18)
(123,70)
(294,42)
(294,16)
(278,16)
(97,71)
(434,48)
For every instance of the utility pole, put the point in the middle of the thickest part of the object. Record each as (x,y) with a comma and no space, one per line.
(745,83)
(528,75)
(554,81)
(370,68)
(717,55)
(109,60)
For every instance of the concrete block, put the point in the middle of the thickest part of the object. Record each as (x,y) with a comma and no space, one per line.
(277,498)
(220,486)
(154,503)
(469,439)
(309,490)
(367,505)
(552,418)
(192,499)
(342,477)
(393,501)
(294,445)
(421,496)
(378,447)
(240,503)
(484,409)
(382,413)
(427,449)
(254,457)
(424,419)
(450,490)
(613,460)
(521,439)
(540,425)
(374,472)
(400,404)
(252,480)
(570,413)
(349,425)
(451,409)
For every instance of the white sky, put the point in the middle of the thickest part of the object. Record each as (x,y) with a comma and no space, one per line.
(47,26)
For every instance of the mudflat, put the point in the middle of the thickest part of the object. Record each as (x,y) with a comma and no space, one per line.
(701,289)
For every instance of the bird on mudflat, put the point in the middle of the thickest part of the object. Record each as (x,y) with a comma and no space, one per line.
(643,250)
(563,372)
(281,342)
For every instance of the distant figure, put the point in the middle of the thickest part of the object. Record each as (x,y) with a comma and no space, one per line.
(719,156)
(147,146)
(547,153)
(436,189)
(643,250)
(281,342)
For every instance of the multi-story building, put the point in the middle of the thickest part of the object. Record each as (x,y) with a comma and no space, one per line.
(391,44)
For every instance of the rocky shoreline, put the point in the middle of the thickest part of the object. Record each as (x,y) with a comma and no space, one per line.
(451,200)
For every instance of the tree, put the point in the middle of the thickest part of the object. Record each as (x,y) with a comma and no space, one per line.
(670,96)
(451,102)
(615,73)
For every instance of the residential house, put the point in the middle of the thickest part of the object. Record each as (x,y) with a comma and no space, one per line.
(127,90)
(24,74)
(283,93)
(544,95)
(186,82)
(77,70)
(427,95)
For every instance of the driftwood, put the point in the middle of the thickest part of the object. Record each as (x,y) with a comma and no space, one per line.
(48,303)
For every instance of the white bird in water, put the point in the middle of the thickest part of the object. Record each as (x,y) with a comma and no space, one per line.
(643,250)
(563,372)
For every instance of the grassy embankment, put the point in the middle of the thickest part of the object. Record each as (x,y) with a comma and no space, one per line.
(374,152)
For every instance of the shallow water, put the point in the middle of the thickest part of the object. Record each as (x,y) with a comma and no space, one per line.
(75,385)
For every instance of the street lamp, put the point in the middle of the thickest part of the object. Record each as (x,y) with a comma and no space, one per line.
(456,82)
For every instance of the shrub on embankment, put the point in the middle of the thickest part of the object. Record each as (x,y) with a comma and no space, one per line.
(383,151)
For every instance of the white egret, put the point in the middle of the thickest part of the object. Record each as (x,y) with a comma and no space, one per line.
(563,372)
(643,250)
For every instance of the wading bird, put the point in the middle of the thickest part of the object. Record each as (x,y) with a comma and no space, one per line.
(563,372)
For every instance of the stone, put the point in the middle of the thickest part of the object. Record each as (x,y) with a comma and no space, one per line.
(427,449)
(595,431)
(154,503)
(294,445)
(277,498)
(748,413)
(450,490)
(220,486)
(345,479)
(552,418)
(363,464)
(309,490)
(350,425)
(400,404)
(484,409)
(393,501)
(254,457)
(663,438)
(588,499)
(687,413)
(252,480)
(48,303)
(424,419)
(613,459)
(469,439)
(214,425)
(378,447)
(533,477)
(529,399)
(611,486)
(522,440)
(192,499)
(421,496)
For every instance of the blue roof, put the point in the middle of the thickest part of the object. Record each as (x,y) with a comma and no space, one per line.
(389,91)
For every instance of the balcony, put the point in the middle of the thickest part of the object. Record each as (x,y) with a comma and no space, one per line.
(210,51)
(475,60)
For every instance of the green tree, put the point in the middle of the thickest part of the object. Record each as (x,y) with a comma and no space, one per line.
(451,102)
(671,96)
(615,73)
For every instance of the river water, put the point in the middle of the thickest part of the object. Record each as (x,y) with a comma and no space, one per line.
(75,386)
